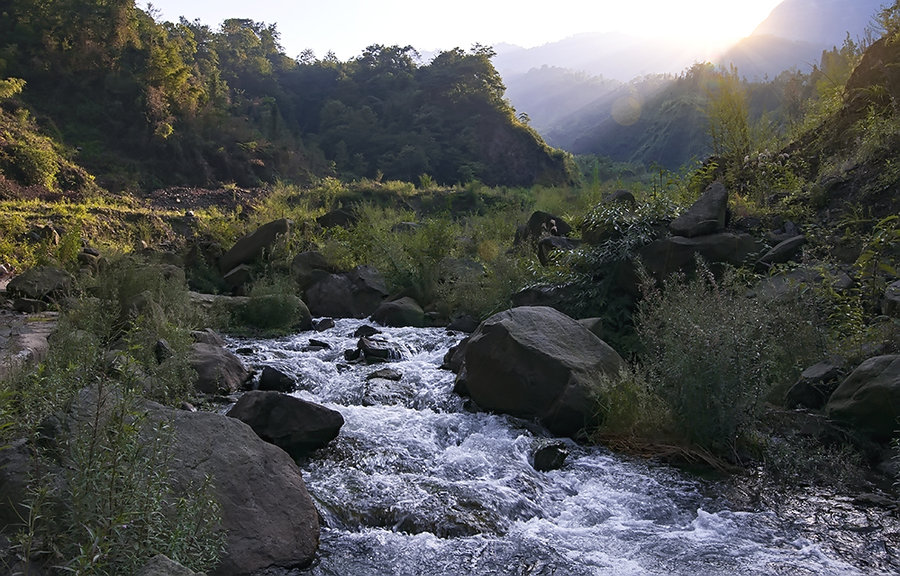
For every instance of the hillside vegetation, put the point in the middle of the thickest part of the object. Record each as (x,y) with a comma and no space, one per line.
(143,104)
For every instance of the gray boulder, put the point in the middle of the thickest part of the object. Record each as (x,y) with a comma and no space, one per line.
(869,399)
(309,267)
(550,244)
(16,466)
(536,362)
(666,255)
(218,370)
(550,456)
(815,386)
(782,252)
(41,283)
(705,216)
(272,379)
(595,325)
(355,294)
(337,218)
(208,336)
(400,313)
(251,246)
(890,305)
(238,276)
(161,565)
(296,426)
(268,516)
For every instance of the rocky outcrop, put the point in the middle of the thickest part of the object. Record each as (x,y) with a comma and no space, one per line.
(400,313)
(667,255)
(296,426)
(355,294)
(869,399)
(250,247)
(47,283)
(535,362)
(307,268)
(218,370)
(705,216)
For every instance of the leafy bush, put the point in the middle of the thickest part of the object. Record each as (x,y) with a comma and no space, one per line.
(596,275)
(799,460)
(273,309)
(629,408)
(715,354)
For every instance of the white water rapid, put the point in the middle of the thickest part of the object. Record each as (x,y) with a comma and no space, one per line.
(415,484)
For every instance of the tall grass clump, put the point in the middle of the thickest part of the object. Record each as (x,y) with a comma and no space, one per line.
(105,502)
(716,354)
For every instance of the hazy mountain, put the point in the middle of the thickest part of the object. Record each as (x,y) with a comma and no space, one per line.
(612,55)
(822,22)
(796,32)
(549,94)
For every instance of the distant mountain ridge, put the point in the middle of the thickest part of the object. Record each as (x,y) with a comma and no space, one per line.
(819,21)
(796,32)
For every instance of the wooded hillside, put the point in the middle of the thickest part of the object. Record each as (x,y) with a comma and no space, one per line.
(142,103)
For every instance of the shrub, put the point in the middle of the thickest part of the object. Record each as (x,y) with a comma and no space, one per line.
(629,408)
(115,506)
(715,354)
(273,309)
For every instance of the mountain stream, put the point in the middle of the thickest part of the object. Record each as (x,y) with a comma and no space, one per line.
(419,484)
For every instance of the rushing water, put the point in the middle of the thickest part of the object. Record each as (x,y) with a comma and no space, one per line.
(416,484)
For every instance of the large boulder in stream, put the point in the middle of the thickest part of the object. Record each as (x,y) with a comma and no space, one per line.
(536,362)
(218,370)
(296,426)
(400,313)
(869,399)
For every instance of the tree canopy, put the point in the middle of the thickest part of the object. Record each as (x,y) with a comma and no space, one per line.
(151,103)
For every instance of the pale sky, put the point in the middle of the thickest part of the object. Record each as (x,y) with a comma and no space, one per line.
(348,26)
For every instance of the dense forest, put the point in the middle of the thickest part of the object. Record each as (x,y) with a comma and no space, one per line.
(143,104)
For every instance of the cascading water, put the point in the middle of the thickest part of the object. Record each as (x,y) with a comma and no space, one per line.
(417,484)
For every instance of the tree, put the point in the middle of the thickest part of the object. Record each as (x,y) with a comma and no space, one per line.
(729,118)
